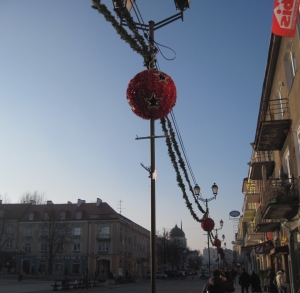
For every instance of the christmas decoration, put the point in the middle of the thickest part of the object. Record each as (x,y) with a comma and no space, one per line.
(208,224)
(151,94)
(217,242)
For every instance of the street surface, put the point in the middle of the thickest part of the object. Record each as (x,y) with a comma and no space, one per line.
(162,286)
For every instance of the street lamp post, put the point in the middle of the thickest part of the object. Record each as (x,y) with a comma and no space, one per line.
(216,235)
(151,27)
(206,200)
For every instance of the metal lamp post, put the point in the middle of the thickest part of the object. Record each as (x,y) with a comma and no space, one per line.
(216,235)
(199,197)
(151,27)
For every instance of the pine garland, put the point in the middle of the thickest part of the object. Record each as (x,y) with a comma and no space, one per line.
(142,49)
(176,168)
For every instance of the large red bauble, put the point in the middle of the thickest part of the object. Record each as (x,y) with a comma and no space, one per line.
(208,224)
(217,242)
(151,94)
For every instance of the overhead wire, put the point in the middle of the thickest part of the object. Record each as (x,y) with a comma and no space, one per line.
(146,35)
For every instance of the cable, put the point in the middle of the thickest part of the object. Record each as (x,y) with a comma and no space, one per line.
(182,146)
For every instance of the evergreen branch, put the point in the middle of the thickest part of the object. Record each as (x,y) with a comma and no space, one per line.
(178,175)
(182,164)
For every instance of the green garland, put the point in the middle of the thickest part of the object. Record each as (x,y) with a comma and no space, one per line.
(172,155)
(142,49)
(138,44)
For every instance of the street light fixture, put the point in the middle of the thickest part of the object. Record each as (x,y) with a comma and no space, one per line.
(150,28)
(197,192)
(182,4)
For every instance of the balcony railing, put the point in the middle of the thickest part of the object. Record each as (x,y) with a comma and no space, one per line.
(101,236)
(258,160)
(280,190)
(274,125)
(280,199)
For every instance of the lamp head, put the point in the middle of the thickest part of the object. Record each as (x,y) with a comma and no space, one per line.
(182,4)
(215,189)
(223,236)
(126,3)
(197,189)
(221,223)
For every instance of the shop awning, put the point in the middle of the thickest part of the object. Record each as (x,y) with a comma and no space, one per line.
(265,244)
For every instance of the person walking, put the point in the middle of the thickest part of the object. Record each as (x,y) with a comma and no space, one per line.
(280,281)
(255,282)
(244,281)
(217,285)
(271,276)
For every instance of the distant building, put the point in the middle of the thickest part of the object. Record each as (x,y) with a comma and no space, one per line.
(101,240)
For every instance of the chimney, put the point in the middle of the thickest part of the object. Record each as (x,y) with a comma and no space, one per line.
(80,201)
(0,201)
(99,201)
(69,202)
(49,202)
(33,202)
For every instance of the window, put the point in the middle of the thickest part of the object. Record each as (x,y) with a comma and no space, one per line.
(31,217)
(1,214)
(60,247)
(43,246)
(76,247)
(9,229)
(8,243)
(103,247)
(62,216)
(290,66)
(75,268)
(286,163)
(27,247)
(77,231)
(46,216)
(28,231)
(298,27)
(104,232)
(297,146)
(78,215)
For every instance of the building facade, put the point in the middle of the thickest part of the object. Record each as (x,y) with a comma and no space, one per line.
(76,237)
(268,235)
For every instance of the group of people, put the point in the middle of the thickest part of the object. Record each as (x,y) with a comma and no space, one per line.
(222,282)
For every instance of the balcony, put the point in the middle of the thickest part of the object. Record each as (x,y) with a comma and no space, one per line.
(102,237)
(265,226)
(249,211)
(251,190)
(261,162)
(252,235)
(273,130)
(280,199)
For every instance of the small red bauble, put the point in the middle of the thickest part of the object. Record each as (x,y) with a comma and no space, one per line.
(208,224)
(217,242)
(151,94)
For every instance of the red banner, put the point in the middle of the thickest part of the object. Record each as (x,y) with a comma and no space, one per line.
(285,17)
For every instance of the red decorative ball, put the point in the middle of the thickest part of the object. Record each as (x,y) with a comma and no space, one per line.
(217,242)
(208,224)
(151,94)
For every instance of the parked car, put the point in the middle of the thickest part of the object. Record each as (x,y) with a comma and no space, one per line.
(172,274)
(161,275)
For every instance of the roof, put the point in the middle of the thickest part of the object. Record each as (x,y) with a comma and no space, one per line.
(88,211)
(176,232)
(14,210)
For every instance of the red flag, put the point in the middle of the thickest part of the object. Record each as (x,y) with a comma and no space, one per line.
(285,17)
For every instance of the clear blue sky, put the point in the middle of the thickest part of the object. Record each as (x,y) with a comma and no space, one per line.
(67,130)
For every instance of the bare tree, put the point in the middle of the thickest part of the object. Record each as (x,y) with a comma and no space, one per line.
(5,198)
(55,235)
(38,197)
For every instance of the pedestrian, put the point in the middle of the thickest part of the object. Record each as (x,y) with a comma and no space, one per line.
(280,281)
(21,274)
(255,283)
(271,276)
(217,285)
(244,281)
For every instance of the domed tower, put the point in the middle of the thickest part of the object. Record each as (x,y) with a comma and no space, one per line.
(177,234)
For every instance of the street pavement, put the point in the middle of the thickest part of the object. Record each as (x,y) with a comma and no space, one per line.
(189,285)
